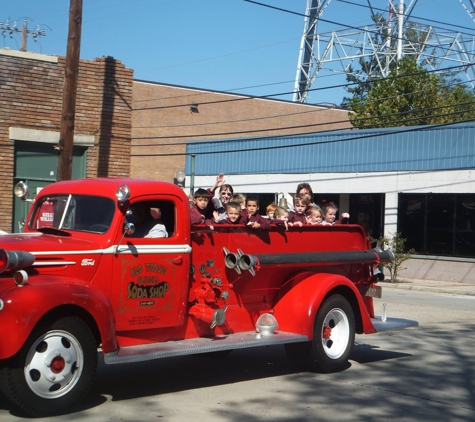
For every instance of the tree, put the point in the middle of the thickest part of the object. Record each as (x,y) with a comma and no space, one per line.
(396,243)
(411,96)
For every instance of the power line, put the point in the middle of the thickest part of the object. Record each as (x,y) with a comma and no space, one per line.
(210,91)
(296,113)
(366,119)
(410,129)
(395,37)
(300,14)
(250,97)
(414,17)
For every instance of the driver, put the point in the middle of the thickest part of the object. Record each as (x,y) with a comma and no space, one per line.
(148,221)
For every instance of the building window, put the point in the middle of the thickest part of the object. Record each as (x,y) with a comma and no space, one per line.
(438,224)
(367,211)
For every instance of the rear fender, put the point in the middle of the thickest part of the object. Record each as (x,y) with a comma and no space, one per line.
(23,308)
(300,298)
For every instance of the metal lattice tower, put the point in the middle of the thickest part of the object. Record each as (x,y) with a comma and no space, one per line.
(386,42)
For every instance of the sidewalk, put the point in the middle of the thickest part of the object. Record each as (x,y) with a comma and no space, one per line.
(446,287)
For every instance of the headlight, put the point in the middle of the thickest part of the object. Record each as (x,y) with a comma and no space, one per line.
(21,190)
(123,193)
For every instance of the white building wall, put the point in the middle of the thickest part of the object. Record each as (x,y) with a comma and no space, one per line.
(389,183)
(449,181)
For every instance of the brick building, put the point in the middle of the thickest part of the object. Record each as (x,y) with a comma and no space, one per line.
(31,88)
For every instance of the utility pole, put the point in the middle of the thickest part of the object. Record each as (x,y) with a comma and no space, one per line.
(66,134)
(5,27)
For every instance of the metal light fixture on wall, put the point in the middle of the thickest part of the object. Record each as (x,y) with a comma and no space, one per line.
(180,177)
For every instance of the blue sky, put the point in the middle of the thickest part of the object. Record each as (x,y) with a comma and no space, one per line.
(211,44)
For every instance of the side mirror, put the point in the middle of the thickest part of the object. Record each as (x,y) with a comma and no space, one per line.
(129,228)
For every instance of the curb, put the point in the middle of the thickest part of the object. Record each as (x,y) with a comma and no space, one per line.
(432,286)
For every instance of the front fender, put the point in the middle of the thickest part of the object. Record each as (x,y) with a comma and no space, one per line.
(300,298)
(24,306)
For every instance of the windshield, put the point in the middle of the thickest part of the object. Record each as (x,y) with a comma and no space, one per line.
(73,212)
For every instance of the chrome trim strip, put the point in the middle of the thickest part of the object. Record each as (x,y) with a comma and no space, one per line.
(28,234)
(149,249)
(199,345)
(53,263)
(158,249)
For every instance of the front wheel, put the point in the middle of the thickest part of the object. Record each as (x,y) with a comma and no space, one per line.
(333,338)
(53,370)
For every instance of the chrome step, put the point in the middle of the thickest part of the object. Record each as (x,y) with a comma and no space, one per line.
(392,324)
(199,345)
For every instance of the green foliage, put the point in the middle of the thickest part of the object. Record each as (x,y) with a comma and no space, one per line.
(410,96)
(397,245)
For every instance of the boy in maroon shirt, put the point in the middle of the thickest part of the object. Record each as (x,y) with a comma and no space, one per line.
(250,216)
(233,215)
(298,217)
(201,210)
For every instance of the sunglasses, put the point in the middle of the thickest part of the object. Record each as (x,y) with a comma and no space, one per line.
(226,194)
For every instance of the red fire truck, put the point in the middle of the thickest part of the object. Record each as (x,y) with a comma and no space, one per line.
(79,283)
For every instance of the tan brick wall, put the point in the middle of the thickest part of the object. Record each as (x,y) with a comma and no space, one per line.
(31,98)
(162,122)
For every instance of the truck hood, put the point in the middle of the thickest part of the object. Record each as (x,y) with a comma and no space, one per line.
(67,256)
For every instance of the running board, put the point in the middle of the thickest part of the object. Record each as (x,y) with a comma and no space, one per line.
(392,324)
(193,346)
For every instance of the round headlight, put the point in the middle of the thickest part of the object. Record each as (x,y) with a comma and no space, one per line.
(123,193)
(21,190)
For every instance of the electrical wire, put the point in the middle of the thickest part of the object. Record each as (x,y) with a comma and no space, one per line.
(355,124)
(323,20)
(372,101)
(394,37)
(412,16)
(368,81)
(409,129)
(210,92)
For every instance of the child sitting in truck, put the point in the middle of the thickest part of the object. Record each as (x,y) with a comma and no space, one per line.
(281,217)
(250,215)
(201,209)
(270,211)
(233,215)
(314,215)
(329,215)
(240,198)
(297,216)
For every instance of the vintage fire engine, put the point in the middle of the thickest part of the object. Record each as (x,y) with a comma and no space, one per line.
(79,282)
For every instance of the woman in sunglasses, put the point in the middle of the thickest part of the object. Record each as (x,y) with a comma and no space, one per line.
(225,195)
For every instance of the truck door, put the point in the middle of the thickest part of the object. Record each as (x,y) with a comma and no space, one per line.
(150,274)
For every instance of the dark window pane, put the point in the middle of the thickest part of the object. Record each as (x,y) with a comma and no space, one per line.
(411,209)
(440,224)
(366,210)
(465,226)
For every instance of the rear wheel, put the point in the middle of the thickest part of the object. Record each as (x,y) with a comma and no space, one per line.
(333,338)
(53,370)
